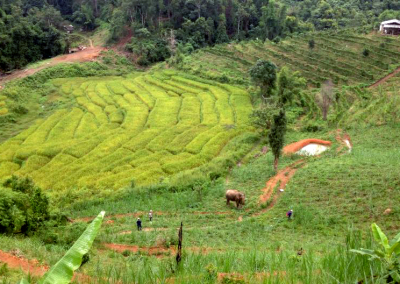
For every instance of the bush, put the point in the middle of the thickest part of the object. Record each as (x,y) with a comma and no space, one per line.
(149,50)
(311,43)
(23,206)
(19,109)
(62,236)
(312,126)
(365,52)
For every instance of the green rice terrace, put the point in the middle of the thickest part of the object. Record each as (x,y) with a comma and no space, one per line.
(139,130)
(173,139)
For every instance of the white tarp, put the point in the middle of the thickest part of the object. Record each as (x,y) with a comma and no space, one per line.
(312,149)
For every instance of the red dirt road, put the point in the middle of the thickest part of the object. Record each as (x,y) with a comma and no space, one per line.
(282,177)
(88,54)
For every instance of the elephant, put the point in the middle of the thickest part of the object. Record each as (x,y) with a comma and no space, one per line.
(235,195)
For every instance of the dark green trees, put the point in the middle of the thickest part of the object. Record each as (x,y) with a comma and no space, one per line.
(277,92)
(263,74)
(23,206)
(276,135)
(30,35)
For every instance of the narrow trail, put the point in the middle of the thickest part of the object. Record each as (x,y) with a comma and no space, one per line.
(143,213)
(270,194)
(384,79)
(158,251)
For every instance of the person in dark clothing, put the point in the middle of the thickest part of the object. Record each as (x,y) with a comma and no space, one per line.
(289,214)
(139,224)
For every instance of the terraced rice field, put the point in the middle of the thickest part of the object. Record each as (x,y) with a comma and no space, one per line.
(140,129)
(3,107)
(335,56)
(374,106)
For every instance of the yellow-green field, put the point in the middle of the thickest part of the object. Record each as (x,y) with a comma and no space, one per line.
(3,108)
(143,129)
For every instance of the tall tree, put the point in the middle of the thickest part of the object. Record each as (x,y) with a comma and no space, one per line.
(276,136)
(221,35)
(263,74)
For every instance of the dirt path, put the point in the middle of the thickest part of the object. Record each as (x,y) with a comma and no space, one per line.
(34,268)
(281,178)
(142,213)
(88,54)
(384,79)
(28,266)
(158,250)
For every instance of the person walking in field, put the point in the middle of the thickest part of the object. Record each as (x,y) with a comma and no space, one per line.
(289,214)
(151,215)
(139,224)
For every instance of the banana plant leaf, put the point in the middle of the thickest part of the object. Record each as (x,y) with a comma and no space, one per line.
(379,236)
(63,271)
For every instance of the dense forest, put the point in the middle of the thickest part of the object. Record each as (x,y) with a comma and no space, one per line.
(32,30)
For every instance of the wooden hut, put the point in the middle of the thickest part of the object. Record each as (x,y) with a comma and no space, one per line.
(391,27)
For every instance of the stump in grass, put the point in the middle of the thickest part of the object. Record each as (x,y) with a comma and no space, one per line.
(179,254)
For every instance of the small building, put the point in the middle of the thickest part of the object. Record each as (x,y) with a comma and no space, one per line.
(69,29)
(391,27)
(76,49)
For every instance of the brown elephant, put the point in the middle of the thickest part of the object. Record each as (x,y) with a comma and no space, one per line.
(235,195)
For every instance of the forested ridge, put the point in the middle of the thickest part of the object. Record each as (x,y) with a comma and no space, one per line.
(31,30)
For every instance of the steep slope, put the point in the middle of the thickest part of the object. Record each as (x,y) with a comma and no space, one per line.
(336,56)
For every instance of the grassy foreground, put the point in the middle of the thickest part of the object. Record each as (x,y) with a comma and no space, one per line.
(223,242)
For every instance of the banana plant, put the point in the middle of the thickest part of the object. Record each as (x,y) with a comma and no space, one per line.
(63,271)
(388,254)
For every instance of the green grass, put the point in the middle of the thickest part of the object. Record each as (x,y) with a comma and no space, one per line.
(334,197)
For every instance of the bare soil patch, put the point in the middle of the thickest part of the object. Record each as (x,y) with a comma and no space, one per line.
(34,268)
(28,266)
(88,54)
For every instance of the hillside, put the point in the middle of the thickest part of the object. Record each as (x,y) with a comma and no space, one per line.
(335,56)
(172,140)
(135,130)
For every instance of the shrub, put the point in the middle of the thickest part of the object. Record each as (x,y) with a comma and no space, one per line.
(4,270)
(365,52)
(126,253)
(311,43)
(312,126)
(23,206)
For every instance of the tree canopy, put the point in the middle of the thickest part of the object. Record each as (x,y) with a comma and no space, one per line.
(31,30)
